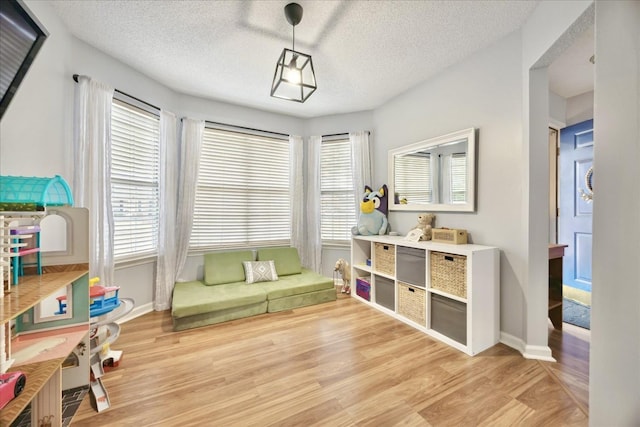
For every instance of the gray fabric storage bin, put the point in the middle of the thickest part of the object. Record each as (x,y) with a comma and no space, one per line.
(411,265)
(385,292)
(449,317)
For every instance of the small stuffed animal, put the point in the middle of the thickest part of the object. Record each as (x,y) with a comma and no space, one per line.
(373,213)
(425,222)
(342,267)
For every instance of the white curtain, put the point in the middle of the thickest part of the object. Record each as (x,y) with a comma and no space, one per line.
(92,171)
(296,182)
(168,199)
(313,251)
(190,147)
(360,165)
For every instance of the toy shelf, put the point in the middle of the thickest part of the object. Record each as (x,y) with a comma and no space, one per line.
(41,354)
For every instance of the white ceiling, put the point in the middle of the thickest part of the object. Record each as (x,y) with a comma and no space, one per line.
(571,74)
(364,52)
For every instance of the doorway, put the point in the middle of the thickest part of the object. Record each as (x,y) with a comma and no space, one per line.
(575,191)
(571,81)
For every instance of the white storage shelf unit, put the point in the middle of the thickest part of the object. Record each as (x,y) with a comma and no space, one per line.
(466,319)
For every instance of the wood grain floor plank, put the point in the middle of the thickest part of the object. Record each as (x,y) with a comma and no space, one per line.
(335,364)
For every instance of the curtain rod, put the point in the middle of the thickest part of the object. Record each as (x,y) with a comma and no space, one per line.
(75,79)
(247,128)
(340,134)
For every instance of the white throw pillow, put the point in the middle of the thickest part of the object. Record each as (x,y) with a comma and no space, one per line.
(260,271)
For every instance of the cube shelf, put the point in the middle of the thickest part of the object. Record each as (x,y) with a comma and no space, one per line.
(450,292)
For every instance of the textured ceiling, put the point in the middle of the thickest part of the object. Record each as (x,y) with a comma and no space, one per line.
(364,52)
(571,73)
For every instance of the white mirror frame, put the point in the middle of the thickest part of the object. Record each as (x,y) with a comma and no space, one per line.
(469,205)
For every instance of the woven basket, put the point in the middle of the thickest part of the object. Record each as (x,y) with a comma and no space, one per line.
(385,258)
(449,273)
(411,303)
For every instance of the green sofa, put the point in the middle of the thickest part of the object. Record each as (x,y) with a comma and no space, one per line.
(224,293)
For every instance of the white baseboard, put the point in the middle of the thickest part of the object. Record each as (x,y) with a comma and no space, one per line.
(537,352)
(137,312)
(511,341)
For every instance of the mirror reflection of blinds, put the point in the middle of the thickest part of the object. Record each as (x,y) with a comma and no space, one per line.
(134,180)
(337,212)
(242,192)
(458,178)
(410,182)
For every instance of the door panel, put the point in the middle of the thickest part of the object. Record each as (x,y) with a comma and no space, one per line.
(583,259)
(574,220)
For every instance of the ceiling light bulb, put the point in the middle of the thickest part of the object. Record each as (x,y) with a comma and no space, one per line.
(293,76)
(294,73)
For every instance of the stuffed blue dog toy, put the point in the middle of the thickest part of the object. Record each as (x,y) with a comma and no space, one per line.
(373,213)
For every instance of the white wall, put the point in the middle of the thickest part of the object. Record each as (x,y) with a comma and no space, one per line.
(579,108)
(223,112)
(614,380)
(340,123)
(557,111)
(484,92)
(37,122)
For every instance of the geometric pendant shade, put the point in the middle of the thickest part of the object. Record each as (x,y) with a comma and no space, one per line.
(294,78)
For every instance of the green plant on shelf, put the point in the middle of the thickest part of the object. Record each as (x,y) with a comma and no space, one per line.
(20,207)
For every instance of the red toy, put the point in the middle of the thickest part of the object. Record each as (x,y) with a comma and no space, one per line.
(11,385)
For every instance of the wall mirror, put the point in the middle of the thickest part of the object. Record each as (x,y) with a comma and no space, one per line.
(436,174)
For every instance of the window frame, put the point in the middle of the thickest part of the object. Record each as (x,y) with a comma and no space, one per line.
(132,255)
(347,195)
(261,143)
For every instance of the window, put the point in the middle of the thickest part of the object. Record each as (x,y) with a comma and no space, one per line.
(413,178)
(337,213)
(458,178)
(242,192)
(134,180)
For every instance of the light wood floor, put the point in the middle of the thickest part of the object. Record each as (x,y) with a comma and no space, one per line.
(334,364)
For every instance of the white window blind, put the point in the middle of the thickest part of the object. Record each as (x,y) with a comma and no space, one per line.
(242,194)
(337,213)
(410,182)
(134,180)
(458,178)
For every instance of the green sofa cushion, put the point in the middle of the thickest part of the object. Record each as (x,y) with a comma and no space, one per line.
(204,319)
(225,267)
(295,284)
(287,260)
(195,297)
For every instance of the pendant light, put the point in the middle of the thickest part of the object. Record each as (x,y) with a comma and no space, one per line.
(294,78)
